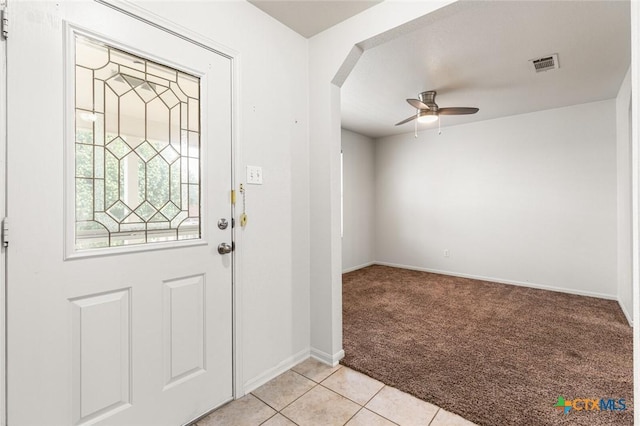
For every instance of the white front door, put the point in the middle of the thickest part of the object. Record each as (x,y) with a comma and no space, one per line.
(119,153)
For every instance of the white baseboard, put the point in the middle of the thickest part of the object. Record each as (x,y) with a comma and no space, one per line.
(502,281)
(326,358)
(253,384)
(626,313)
(355,268)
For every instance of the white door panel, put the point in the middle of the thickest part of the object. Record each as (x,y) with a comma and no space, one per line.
(132,335)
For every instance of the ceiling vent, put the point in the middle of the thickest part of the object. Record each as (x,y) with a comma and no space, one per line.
(546,63)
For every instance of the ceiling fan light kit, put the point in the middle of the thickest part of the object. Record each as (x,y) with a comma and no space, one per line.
(428,116)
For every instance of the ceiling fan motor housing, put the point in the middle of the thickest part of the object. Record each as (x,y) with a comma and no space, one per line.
(429,98)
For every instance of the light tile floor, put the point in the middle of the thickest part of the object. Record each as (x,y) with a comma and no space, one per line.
(314,394)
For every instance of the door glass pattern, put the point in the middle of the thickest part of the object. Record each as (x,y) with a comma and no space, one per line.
(137,149)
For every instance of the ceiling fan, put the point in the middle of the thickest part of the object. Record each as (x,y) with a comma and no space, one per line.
(427,110)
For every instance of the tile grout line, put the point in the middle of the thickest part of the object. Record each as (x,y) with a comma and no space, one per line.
(291,420)
(360,405)
(354,414)
(275,414)
(340,367)
(347,398)
(340,395)
(315,384)
(375,412)
(278,411)
(435,415)
(303,394)
(330,390)
(264,402)
(322,383)
(316,381)
(375,394)
(380,390)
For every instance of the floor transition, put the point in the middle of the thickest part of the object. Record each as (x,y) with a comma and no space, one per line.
(313,393)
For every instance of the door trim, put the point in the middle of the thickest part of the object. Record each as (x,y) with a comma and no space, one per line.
(3,212)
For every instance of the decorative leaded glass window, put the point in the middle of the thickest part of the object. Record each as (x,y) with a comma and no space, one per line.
(137,149)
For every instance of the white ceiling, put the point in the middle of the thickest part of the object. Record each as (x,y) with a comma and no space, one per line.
(309,17)
(477,54)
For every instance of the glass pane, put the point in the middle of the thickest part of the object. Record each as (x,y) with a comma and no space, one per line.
(158,182)
(178,92)
(84,160)
(90,54)
(84,98)
(132,119)
(84,199)
(158,236)
(98,197)
(111,179)
(194,144)
(98,127)
(169,98)
(132,180)
(162,71)
(194,115)
(92,235)
(98,98)
(189,85)
(190,228)
(127,60)
(137,148)
(99,162)
(158,80)
(194,200)
(158,122)
(84,126)
(110,114)
(194,170)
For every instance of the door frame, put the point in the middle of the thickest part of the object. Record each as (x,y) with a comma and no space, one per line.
(3,213)
(143,15)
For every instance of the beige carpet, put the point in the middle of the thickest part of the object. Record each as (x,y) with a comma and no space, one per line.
(495,354)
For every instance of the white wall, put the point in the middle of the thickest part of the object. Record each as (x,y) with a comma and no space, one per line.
(623,144)
(635,186)
(358,184)
(525,199)
(273,250)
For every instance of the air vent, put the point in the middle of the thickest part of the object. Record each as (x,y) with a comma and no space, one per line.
(546,63)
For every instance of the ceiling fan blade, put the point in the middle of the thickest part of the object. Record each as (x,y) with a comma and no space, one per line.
(413,117)
(457,111)
(418,104)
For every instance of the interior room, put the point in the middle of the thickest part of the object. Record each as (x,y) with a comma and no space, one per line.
(530,191)
(518,163)
(174,241)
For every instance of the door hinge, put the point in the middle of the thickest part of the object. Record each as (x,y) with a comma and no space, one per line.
(5,232)
(4,24)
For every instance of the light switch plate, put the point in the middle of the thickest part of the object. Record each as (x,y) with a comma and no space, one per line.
(254,175)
